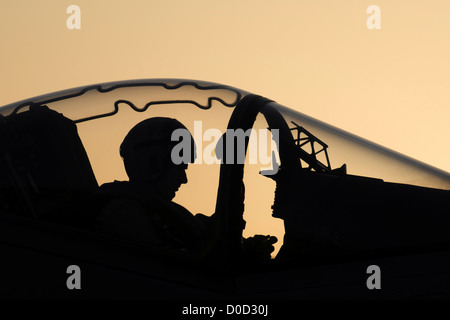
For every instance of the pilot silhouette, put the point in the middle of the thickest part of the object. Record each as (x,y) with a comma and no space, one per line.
(142,209)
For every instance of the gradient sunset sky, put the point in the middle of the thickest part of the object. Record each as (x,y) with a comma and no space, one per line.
(391,85)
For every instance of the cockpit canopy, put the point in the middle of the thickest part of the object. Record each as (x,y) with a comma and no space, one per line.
(84,147)
(104,112)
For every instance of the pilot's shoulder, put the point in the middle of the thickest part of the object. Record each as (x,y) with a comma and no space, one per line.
(118,194)
(116,187)
(119,201)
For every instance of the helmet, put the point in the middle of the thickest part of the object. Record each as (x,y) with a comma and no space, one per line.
(151,139)
(152,131)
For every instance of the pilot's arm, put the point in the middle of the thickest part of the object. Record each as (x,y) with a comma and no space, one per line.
(255,248)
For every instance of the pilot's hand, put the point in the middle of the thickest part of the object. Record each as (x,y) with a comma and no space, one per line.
(258,247)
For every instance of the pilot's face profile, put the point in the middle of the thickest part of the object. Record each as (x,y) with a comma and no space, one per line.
(171,180)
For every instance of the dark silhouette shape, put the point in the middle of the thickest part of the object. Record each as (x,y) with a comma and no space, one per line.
(141,209)
(336,223)
(43,165)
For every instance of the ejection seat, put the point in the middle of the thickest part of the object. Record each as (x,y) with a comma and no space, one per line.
(45,172)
